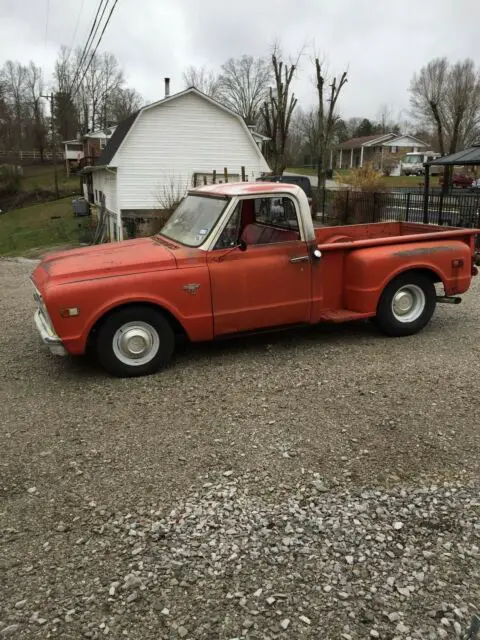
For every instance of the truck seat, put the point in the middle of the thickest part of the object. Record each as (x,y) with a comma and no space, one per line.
(261,234)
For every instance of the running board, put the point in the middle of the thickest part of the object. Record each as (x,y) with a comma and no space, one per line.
(449,299)
(342,315)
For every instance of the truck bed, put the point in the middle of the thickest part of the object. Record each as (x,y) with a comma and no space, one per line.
(387,233)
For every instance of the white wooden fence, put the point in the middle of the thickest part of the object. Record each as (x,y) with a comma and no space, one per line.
(29,155)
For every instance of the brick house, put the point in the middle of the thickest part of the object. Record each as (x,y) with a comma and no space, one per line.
(384,151)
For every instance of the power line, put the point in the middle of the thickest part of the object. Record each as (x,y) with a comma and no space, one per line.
(89,42)
(46,22)
(76,26)
(96,47)
(86,45)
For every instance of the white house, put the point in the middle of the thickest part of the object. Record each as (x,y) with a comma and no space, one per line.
(159,152)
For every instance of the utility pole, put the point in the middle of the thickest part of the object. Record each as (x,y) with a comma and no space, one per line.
(51,97)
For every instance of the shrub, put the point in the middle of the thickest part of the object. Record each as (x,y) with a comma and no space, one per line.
(361,202)
(171,193)
(364,178)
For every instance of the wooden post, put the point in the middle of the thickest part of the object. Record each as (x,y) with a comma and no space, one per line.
(225,174)
(214,176)
(243,174)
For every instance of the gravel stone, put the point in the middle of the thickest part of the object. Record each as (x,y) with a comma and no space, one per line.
(9,631)
(318,532)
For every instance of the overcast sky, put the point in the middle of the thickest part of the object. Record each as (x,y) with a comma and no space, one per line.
(381,42)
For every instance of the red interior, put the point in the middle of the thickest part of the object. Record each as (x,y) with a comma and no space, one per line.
(262,234)
(254,233)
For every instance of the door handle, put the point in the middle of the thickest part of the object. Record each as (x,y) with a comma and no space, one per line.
(300,259)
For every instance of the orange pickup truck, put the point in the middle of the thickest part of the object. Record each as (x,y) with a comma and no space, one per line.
(237,258)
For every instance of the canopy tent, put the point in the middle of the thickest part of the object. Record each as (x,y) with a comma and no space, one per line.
(467,157)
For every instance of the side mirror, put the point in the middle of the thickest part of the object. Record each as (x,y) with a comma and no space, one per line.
(317,254)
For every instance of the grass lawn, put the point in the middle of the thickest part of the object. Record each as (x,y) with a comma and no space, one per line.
(41,176)
(42,225)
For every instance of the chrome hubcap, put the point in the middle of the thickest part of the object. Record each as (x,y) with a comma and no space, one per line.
(408,303)
(136,343)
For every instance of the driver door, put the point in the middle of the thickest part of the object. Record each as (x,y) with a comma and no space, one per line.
(269,283)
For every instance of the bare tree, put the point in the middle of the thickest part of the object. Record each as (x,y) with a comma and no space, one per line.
(326,117)
(5,116)
(446,98)
(244,86)
(34,89)
(386,121)
(462,105)
(66,111)
(14,77)
(310,132)
(296,148)
(122,103)
(111,80)
(204,80)
(428,96)
(91,100)
(277,112)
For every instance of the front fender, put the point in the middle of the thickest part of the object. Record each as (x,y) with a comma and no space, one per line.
(369,270)
(168,290)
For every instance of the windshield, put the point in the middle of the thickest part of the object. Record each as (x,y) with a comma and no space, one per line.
(415,159)
(193,219)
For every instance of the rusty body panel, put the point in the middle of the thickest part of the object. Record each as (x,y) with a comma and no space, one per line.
(211,292)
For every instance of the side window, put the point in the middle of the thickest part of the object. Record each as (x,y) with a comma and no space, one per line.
(231,232)
(276,212)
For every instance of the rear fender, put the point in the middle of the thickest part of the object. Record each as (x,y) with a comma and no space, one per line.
(369,270)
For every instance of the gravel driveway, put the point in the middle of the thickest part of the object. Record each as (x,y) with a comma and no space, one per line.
(318,484)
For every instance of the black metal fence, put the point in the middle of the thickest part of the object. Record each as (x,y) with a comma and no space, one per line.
(354,207)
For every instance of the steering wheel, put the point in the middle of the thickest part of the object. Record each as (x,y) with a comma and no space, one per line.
(229,237)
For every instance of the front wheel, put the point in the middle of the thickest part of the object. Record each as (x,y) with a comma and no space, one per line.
(406,305)
(135,341)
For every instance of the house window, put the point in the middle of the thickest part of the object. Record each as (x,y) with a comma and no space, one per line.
(394,149)
(96,195)
(103,143)
(415,149)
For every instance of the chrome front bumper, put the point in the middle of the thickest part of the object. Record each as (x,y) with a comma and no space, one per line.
(45,328)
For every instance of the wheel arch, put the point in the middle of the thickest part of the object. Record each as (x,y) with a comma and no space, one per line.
(175,323)
(424,270)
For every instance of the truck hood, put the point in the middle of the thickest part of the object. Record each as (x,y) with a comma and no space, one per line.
(106,260)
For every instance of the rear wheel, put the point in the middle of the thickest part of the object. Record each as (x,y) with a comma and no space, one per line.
(406,304)
(135,341)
